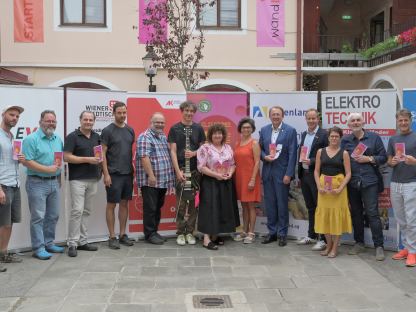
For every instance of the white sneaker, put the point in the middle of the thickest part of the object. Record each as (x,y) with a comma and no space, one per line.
(190,239)
(180,240)
(320,245)
(306,241)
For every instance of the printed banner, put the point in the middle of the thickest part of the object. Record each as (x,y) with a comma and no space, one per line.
(295,105)
(378,108)
(147,31)
(225,108)
(28,20)
(140,108)
(270,23)
(100,102)
(409,102)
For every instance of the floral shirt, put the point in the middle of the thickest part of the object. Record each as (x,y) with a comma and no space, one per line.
(208,156)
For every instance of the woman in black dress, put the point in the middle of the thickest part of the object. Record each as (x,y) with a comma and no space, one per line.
(218,212)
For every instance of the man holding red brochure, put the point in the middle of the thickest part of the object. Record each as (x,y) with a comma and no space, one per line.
(363,187)
(311,140)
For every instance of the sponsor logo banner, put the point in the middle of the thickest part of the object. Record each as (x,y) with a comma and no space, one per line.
(295,105)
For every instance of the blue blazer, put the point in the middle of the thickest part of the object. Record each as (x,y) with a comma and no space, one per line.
(285,164)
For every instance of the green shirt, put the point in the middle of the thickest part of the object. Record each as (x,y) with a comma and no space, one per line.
(38,147)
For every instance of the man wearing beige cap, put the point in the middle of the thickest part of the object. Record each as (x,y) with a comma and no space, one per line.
(10,208)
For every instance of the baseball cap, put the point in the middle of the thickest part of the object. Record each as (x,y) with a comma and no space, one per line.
(19,108)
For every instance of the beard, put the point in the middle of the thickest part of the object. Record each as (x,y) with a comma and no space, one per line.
(49,131)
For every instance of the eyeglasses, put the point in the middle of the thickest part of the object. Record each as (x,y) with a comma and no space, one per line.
(49,121)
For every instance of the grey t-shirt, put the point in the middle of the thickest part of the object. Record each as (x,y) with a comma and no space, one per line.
(403,173)
(119,143)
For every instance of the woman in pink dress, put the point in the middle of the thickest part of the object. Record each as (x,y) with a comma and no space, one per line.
(247,177)
(218,212)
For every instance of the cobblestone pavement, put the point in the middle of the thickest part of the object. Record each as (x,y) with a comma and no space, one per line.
(257,278)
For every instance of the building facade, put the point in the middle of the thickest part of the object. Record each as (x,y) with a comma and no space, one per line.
(94,44)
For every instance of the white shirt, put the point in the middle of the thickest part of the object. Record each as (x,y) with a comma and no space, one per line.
(275,133)
(310,136)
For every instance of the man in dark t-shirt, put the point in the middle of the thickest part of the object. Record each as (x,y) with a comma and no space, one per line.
(84,173)
(186,213)
(117,140)
(401,152)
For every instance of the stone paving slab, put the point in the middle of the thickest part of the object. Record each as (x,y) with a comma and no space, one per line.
(164,278)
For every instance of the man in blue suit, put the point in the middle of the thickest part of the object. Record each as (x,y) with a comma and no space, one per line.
(278,170)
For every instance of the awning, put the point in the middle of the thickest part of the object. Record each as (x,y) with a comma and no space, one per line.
(11,77)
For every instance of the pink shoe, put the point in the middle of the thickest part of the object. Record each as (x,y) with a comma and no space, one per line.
(401,255)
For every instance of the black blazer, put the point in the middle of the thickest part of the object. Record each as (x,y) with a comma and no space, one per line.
(320,141)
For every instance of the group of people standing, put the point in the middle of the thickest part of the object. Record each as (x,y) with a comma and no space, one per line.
(339,177)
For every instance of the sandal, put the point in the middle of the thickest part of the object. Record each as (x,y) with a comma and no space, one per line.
(332,255)
(324,253)
(249,238)
(210,246)
(240,236)
(219,241)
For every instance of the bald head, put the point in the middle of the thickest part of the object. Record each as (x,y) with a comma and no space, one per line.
(157,122)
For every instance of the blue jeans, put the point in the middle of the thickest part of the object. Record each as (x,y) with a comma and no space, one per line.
(43,197)
(365,200)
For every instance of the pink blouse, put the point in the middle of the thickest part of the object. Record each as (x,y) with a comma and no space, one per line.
(208,156)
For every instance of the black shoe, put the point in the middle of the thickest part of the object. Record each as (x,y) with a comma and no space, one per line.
(124,240)
(282,241)
(88,247)
(113,243)
(269,239)
(161,237)
(72,251)
(154,239)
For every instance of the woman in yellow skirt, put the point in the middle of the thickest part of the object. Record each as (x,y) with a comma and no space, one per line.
(332,173)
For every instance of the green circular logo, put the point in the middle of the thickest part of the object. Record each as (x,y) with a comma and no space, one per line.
(204,106)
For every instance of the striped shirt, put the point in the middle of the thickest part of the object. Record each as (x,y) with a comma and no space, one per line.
(155,146)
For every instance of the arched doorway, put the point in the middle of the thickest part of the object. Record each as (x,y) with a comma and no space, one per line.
(84,85)
(221,88)
(384,84)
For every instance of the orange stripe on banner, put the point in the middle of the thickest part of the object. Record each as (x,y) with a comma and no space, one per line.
(28,20)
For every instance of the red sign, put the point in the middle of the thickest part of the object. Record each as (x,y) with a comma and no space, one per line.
(139,112)
(28,20)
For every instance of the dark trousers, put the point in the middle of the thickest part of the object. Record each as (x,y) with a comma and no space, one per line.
(365,199)
(276,198)
(310,194)
(153,200)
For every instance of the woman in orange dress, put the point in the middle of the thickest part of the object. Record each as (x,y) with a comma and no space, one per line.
(247,177)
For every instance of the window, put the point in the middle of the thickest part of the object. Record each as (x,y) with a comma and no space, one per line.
(83,13)
(224,14)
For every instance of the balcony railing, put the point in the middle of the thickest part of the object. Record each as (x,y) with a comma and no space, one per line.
(334,43)
(355,59)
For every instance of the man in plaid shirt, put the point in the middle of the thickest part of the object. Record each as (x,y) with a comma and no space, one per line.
(155,175)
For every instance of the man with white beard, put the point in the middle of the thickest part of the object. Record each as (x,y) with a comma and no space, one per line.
(43,152)
(367,154)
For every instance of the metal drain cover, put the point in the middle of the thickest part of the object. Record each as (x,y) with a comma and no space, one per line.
(212,301)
